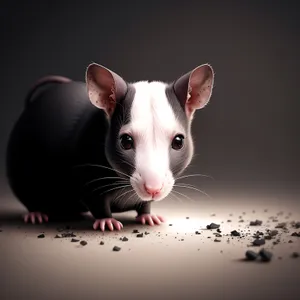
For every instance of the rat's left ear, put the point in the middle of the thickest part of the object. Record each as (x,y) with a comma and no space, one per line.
(194,89)
(105,87)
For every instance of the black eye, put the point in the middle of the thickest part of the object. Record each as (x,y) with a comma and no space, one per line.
(126,141)
(177,142)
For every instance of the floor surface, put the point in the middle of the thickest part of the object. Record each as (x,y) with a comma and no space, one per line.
(171,262)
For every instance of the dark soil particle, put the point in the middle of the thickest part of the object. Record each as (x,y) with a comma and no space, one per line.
(265,255)
(217,240)
(135,231)
(140,235)
(235,233)
(259,242)
(217,234)
(273,232)
(295,255)
(83,243)
(213,226)
(256,223)
(251,255)
(124,239)
(74,240)
(65,235)
(296,234)
(101,243)
(116,248)
(281,225)
(41,236)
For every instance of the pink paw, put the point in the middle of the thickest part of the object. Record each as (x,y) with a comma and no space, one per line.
(32,216)
(111,223)
(150,219)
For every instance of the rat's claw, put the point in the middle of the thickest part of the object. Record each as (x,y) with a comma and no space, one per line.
(111,223)
(150,219)
(33,215)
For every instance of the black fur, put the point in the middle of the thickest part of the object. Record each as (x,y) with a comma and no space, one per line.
(53,151)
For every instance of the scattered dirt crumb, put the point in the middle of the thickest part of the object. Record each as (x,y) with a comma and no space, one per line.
(296,234)
(235,233)
(256,223)
(281,225)
(251,255)
(212,226)
(259,242)
(265,255)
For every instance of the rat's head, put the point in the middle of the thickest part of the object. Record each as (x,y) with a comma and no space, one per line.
(149,137)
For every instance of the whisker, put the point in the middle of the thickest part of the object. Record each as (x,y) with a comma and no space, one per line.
(132,194)
(176,197)
(127,200)
(193,188)
(192,175)
(124,194)
(115,183)
(128,163)
(184,196)
(118,187)
(102,178)
(100,166)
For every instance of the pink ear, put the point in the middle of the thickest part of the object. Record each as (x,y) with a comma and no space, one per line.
(104,87)
(194,89)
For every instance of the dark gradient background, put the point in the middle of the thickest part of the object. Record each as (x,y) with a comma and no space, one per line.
(250,130)
(248,136)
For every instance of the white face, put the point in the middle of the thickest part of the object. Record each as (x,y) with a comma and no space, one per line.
(153,126)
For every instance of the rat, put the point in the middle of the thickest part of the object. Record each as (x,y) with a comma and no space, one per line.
(105,145)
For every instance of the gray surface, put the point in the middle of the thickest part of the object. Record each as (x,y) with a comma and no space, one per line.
(154,267)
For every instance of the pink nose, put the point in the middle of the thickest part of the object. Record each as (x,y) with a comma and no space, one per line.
(152,191)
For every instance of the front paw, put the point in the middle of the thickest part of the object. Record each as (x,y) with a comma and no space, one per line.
(111,223)
(150,219)
(31,216)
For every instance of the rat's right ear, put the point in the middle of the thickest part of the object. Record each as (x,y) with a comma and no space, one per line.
(194,89)
(104,87)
